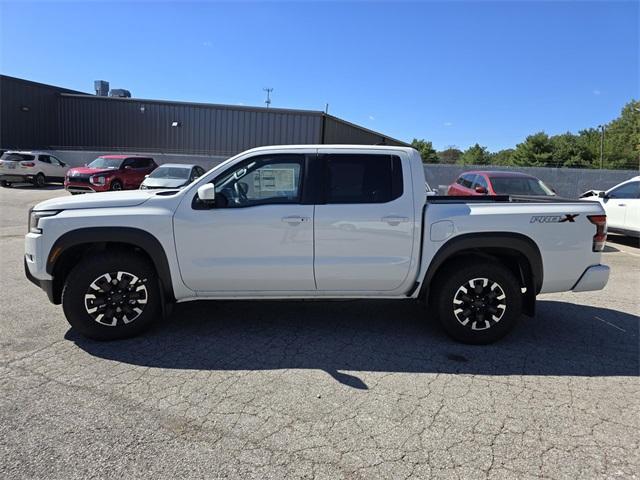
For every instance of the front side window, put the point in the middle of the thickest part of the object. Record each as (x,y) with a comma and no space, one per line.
(261,181)
(363,178)
(480,181)
(467,180)
(628,190)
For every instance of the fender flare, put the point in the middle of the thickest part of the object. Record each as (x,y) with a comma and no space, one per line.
(487,241)
(130,235)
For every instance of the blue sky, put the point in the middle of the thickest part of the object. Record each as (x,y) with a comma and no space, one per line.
(455,72)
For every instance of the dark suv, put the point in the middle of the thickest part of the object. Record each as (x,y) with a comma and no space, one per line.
(109,172)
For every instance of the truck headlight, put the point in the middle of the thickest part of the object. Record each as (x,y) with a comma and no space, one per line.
(36,215)
(98,180)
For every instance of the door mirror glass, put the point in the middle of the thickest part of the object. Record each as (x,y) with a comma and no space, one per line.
(602,195)
(207,193)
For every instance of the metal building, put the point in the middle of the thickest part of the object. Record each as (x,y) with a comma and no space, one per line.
(38,116)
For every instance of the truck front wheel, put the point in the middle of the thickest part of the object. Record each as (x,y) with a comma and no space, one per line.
(111,296)
(476,301)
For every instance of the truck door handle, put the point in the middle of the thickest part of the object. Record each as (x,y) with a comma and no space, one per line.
(394,219)
(295,219)
(622,204)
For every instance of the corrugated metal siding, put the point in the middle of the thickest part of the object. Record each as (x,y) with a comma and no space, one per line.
(35,128)
(341,132)
(59,118)
(111,124)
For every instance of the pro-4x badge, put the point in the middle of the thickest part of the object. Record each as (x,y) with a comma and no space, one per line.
(568,217)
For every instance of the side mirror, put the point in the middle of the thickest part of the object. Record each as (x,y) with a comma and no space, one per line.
(602,194)
(127,167)
(146,176)
(207,193)
(480,189)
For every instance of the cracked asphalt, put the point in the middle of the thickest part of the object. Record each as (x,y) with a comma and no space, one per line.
(325,390)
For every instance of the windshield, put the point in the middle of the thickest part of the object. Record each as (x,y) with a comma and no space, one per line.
(519,186)
(16,157)
(176,173)
(102,162)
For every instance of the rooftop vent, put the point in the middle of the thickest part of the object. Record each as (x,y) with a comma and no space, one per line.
(120,93)
(101,87)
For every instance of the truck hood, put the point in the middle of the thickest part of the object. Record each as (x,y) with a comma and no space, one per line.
(123,198)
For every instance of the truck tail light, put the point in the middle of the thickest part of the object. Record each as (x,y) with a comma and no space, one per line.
(27,164)
(599,239)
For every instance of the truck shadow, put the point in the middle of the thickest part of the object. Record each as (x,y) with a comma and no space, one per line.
(385,336)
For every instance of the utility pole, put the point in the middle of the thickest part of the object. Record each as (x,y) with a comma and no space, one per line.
(268,100)
(601,127)
(326,108)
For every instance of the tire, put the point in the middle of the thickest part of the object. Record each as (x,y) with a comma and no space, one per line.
(116,185)
(483,314)
(137,297)
(39,181)
(6,184)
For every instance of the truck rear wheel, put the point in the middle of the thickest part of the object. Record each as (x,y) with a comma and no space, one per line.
(478,302)
(111,296)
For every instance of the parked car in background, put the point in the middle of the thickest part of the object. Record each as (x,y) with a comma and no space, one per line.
(109,172)
(172,175)
(498,183)
(622,204)
(38,168)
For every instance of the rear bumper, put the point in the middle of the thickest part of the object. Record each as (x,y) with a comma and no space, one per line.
(593,278)
(16,178)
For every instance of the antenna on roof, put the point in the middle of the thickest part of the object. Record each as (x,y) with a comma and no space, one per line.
(268,100)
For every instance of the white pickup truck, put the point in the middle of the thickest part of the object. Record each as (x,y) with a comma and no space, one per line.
(321,222)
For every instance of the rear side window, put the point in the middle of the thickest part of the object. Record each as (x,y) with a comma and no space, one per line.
(140,162)
(44,158)
(362,178)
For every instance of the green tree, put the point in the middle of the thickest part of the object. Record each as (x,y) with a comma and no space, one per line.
(535,151)
(450,155)
(475,155)
(622,138)
(502,157)
(427,152)
(571,150)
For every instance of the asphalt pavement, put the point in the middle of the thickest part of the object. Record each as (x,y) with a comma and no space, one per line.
(295,389)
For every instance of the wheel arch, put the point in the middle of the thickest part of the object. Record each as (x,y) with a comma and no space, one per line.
(74,245)
(518,252)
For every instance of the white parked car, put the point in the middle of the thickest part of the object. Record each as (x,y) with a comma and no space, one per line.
(38,168)
(311,221)
(172,175)
(622,204)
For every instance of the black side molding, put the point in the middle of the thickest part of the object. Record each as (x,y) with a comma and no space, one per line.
(488,242)
(128,235)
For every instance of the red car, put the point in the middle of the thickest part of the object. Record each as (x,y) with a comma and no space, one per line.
(109,172)
(498,183)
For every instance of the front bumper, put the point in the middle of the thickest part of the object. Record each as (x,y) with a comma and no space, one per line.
(46,285)
(593,278)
